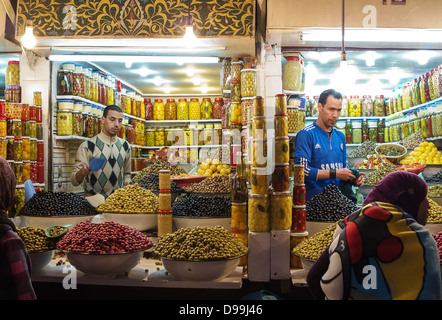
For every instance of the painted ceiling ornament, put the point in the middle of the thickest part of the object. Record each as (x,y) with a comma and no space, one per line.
(131,17)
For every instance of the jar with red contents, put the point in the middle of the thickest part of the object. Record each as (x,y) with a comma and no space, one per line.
(25,112)
(2,108)
(217,108)
(32,113)
(40,151)
(34,172)
(40,172)
(149,109)
(38,114)
(299,214)
(299,193)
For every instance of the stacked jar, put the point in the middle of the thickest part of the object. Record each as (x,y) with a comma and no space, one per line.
(182,110)
(164,201)
(299,193)
(206,109)
(293,72)
(12,82)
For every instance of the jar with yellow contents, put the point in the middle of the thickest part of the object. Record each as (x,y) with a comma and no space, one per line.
(259,152)
(259,128)
(259,180)
(150,137)
(281,126)
(26,148)
(158,109)
(248,82)
(18,149)
(258,213)
(170,110)
(194,109)
(64,122)
(206,109)
(235,113)
(159,137)
(354,107)
(13,73)
(282,150)
(239,216)
(280,210)
(208,134)
(182,110)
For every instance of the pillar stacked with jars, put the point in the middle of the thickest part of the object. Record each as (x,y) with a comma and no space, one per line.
(165,203)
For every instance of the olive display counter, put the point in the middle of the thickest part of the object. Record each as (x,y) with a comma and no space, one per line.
(139,221)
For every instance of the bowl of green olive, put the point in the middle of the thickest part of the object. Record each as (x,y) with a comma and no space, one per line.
(393,152)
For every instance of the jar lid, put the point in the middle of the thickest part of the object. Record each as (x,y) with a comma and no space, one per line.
(259,118)
(298,207)
(299,234)
(282,193)
(182,99)
(164,212)
(298,185)
(64,110)
(237,231)
(280,95)
(16,138)
(281,164)
(164,191)
(170,100)
(246,98)
(216,99)
(13,62)
(158,100)
(194,99)
(280,138)
(206,99)
(245,70)
(239,204)
(258,195)
(281,115)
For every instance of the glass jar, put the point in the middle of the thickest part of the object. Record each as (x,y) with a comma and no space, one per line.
(3,127)
(282,148)
(381,131)
(130,134)
(77,124)
(235,113)
(217,134)
(217,108)
(78,82)
(206,109)
(33,171)
(208,134)
(194,109)
(259,153)
(148,109)
(3,143)
(280,104)
(238,216)
(26,170)
(259,128)
(225,74)
(18,171)
(354,107)
(281,177)
(150,137)
(65,80)
(281,126)
(258,213)
(364,130)
(299,215)
(344,110)
(159,137)
(378,106)
(33,149)
(40,151)
(16,111)
(301,118)
(356,127)
(9,127)
(182,110)
(235,91)
(10,148)
(40,172)
(280,210)
(292,72)
(367,106)
(25,112)
(258,107)
(246,110)
(16,128)
(18,149)
(248,82)
(2,108)
(158,110)
(170,110)
(64,122)
(373,131)
(26,148)
(235,71)
(13,73)
(292,119)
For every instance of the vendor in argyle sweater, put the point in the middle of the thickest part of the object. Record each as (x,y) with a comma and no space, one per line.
(116,171)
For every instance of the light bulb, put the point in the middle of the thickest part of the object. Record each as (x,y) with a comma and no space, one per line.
(28,40)
(189,39)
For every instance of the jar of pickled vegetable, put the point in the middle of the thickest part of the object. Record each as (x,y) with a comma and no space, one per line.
(206,109)
(26,148)
(235,113)
(301,118)
(2,108)
(18,149)
(150,137)
(194,109)
(159,137)
(33,149)
(16,111)
(259,153)
(170,110)
(13,73)
(258,213)
(356,126)
(373,131)
(225,74)
(78,82)
(280,210)
(40,172)
(259,128)
(18,170)
(182,110)
(10,148)
(378,106)
(25,112)
(381,131)
(235,91)
(16,128)
(282,150)
(258,107)
(364,130)
(217,108)
(292,119)
(148,109)
(344,109)
(3,143)
(354,107)
(235,71)
(367,106)
(77,124)
(292,74)
(158,110)
(281,126)
(26,170)
(64,122)
(246,110)
(248,82)
(3,127)
(280,177)
(239,216)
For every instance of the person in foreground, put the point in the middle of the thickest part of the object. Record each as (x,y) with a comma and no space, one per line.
(15,263)
(382,251)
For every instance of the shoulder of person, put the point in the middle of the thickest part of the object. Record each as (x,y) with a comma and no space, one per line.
(339,133)
(306,132)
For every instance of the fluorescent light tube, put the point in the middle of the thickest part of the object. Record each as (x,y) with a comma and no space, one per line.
(119,58)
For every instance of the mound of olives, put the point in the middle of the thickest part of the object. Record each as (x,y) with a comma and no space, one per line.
(152,182)
(200,243)
(35,239)
(200,206)
(50,203)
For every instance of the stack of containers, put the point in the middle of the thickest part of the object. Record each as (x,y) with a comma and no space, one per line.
(298,231)
(165,204)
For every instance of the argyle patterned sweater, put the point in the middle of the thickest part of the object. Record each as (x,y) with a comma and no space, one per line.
(115,171)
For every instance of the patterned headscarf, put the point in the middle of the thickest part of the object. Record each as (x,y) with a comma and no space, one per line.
(8,183)
(404,189)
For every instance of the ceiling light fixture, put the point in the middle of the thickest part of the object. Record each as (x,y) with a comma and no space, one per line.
(143,71)
(189,40)
(28,40)
(343,53)
(119,58)
(370,57)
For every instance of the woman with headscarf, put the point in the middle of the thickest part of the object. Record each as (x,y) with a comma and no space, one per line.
(15,264)
(382,251)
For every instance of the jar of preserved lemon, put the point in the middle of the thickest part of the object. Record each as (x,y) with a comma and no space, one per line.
(206,109)
(26,148)
(258,213)
(259,128)
(64,122)
(292,72)
(159,137)
(170,110)
(281,126)
(235,113)
(158,110)
(182,110)
(26,170)
(354,107)
(194,109)
(248,82)
(239,216)
(280,210)
(13,73)
(282,150)
(259,153)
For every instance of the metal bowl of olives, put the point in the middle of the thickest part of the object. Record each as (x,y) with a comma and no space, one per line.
(393,152)
(431,169)
(306,263)
(104,263)
(48,221)
(201,270)
(40,259)
(186,222)
(139,221)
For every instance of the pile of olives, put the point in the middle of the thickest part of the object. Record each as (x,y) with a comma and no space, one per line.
(437,177)
(434,212)
(35,239)
(366,148)
(311,248)
(200,243)
(435,191)
(199,206)
(374,177)
(50,203)
(155,167)
(151,182)
(130,199)
(329,205)
(216,184)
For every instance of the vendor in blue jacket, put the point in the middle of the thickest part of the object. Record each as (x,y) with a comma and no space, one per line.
(321,149)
